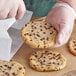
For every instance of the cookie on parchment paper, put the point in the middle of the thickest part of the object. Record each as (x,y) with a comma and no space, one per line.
(72,46)
(39,34)
(47,61)
(11,68)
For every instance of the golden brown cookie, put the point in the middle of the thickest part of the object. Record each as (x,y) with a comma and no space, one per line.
(47,61)
(39,34)
(11,68)
(72,46)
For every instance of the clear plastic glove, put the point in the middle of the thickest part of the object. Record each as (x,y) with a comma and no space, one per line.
(62,19)
(12,8)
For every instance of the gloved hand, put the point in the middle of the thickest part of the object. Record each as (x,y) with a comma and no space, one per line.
(12,8)
(62,18)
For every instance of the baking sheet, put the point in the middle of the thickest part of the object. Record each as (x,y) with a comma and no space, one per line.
(24,52)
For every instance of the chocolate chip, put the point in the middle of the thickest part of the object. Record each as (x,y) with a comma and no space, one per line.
(35,27)
(13,74)
(41,56)
(26,34)
(32,30)
(42,67)
(25,25)
(44,70)
(33,33)
(51,32)
(44,57)
(40,29)
(46,51)
(34,66)
(54,28)
(31,59)
(42,39)
(32,21)
(3,71)
(20,68)
(23,73)
(7,74)
(43,60)
(30,40)
(5,65)
(49,63)
(36,56)
(44,32)
(40,26)
(56,68)
(38,35)
(51,26)
(74,48)
(45,27)
(54,54)
(58,56)
(38,46)
(49,53)
(12,65)
(53,63)
(48,68)
(74,42)
(9,67)
(30,34)
(57,63)
(11,60)
(44,46)
(35,52)
(45,23)
(47,38)
(32,26)
(1,66)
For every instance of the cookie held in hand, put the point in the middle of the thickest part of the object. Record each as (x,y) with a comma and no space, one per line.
(47,60)
(39,34)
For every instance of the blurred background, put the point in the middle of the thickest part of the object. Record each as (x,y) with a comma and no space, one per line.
(39,7)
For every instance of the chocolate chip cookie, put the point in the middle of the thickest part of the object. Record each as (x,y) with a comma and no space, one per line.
(39,34)
(47,60)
